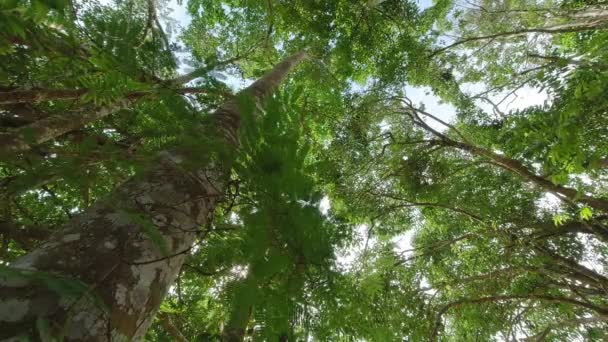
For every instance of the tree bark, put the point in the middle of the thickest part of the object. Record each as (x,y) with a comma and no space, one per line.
(128,249)
(241,308)
(236,327)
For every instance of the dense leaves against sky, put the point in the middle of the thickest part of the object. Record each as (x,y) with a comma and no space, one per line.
(433,172)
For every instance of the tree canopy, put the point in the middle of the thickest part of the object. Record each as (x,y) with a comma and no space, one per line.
(304,170)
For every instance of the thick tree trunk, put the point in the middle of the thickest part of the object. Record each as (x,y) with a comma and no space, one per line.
(127,249)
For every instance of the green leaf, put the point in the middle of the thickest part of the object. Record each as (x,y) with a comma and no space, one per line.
(57,4)
(585,213)
(560,219)
(39,9)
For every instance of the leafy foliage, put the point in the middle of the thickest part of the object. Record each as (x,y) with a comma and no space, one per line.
(489,225)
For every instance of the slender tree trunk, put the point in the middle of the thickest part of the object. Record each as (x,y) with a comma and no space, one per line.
(39,95)
(170,328)
(41,131)
(576,26)
(23,138)
(244,298)
(236,327)
(127,249)
(518,168)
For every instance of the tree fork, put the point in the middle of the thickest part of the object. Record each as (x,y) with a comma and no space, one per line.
(127,249)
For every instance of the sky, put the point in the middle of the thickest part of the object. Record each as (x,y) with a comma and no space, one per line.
(523,98)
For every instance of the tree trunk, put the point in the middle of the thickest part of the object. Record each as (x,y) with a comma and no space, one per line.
(576,26)
(51,127)
(40,95)
(126,250)
(245,298)
(170,328)
(236,327)
(518,168)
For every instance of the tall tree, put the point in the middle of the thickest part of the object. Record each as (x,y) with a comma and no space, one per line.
(472,221)
(128,249)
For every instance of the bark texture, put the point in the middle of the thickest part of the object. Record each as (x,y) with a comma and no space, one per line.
(127,249)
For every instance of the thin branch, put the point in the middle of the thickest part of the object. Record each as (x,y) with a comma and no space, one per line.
(433,117)
(541,336)
(547,30)
(204,273)
(149,22)
(163,35)
(147,262)
(603,311)
(410,203)
(495,107)
(183,79)
(170,328)
(57,200)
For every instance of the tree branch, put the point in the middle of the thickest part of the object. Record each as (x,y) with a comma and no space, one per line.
(603,311)
(170,328)
(565,28)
